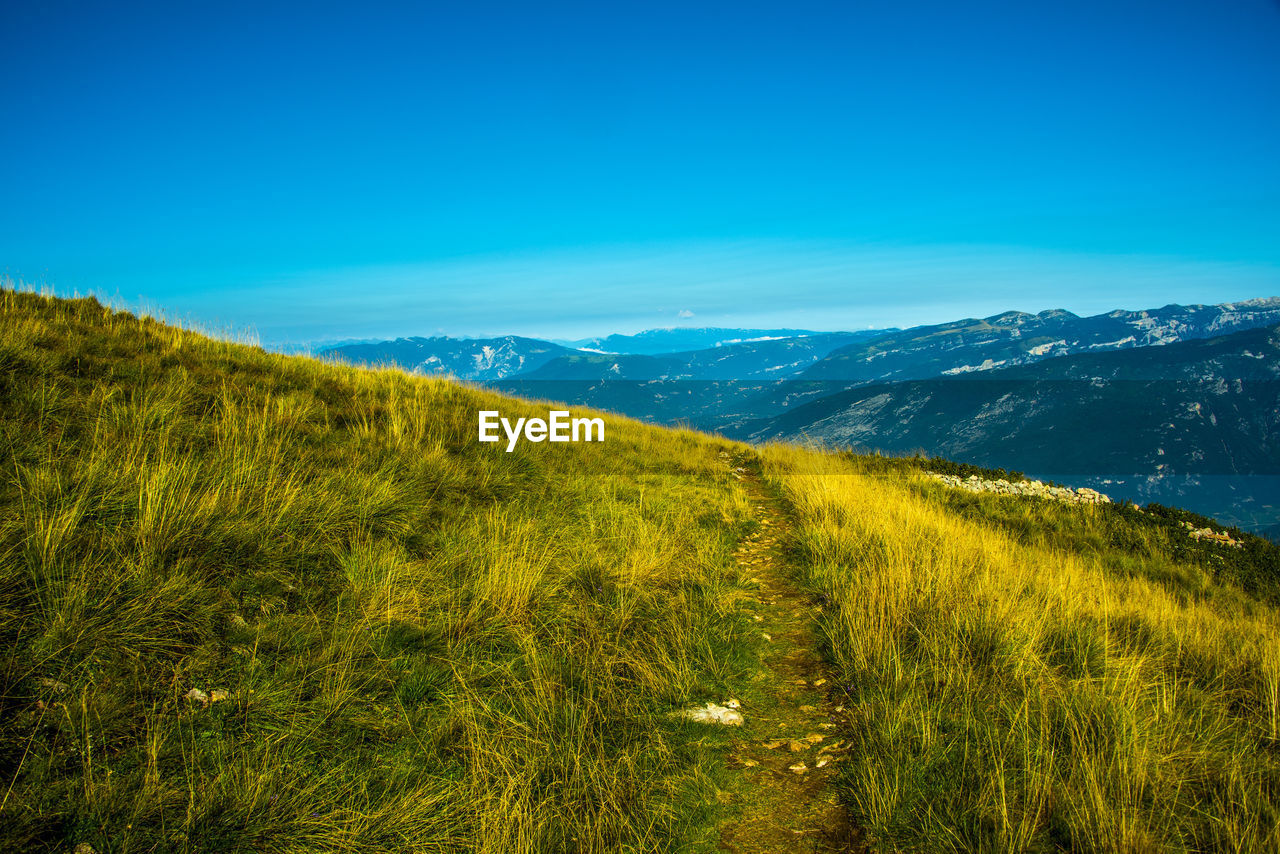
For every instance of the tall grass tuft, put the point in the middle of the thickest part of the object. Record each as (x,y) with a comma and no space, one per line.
(398,638)
(1006,696)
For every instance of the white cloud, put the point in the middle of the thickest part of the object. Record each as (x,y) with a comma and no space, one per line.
(684,312)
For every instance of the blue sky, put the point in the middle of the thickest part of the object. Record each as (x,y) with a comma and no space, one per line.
(317,171)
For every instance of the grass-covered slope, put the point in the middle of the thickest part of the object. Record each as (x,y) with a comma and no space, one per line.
(1024,675)
(425,643)
(258,603)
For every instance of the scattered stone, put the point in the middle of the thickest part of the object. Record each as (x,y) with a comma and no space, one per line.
(749,763)
(823,762)
(84,848)
(713,714)
(766,636)
(1034,488)
(799,768)
(195,695)
(757,618)
(1219,537)
(818,683)
(814,738)
(771,745)
(797,746)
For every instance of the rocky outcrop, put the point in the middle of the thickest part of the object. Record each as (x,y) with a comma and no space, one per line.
(1033,488)
(1222,538)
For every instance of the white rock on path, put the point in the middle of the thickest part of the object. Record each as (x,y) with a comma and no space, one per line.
(726,715)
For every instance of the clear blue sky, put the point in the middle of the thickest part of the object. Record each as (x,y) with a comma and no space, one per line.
(328,170)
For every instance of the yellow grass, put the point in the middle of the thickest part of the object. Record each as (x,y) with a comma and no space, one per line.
(1008,697)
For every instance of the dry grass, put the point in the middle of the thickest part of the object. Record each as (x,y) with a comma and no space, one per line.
(431,644)
(1010,697)
(428,644)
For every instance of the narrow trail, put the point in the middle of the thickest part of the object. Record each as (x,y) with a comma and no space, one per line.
(788,747)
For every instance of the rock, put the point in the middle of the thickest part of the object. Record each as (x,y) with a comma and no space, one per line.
(814,738)
(771,745)
(797,746)
(823,762)
(713,714)
(1083,495)
(84,848)
(799,768)
(766,636)
(195,695)
(749,763)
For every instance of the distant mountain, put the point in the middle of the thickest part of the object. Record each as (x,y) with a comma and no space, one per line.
(477,359)
(698,387)
(725,387)
(1014,338)
(1145,420)
(768,358)
(682,339)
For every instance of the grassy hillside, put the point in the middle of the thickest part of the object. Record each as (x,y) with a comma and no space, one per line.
(425,643)
(1015,683)
(259,603)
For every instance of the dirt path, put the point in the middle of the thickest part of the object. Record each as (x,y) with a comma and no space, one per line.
(788,748)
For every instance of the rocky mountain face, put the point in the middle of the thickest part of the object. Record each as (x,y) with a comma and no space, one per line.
(682,339)
(702,387)
(1147,423)
(725,387)
(476,359)
(1014,338)
(768,359)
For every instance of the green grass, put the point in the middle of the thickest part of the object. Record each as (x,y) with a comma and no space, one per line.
(428,643)
(1016,680)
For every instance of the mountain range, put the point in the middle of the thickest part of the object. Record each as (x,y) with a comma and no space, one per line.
(1175,404)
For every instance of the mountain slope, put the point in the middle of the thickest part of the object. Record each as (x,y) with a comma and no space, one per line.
(698,387)
(1009,339)
(1197,408)
(253,602)
(258,603)
(654,342)
(1022,676)
(465,358)
(751,360)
